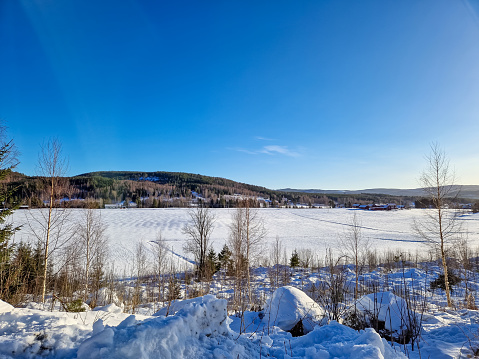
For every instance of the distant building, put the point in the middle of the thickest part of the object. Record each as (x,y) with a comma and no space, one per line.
(112,206)
(121,205)
(376,207)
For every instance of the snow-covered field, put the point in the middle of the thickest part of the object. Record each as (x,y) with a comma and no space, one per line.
(316,229)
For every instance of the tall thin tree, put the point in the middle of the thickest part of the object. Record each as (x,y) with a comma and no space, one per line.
(8,161)
(52,168)
(440,225)
(91,239)
(354,246)
(247,232)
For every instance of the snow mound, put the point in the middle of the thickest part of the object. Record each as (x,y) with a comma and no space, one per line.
(177,336)
(177,305)
(105,296)
(288,305)
(389,310)
(110,308)
(31,333)
(5,307)
(338,341)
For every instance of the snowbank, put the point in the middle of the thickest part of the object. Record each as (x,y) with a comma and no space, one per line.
(177,305)
(30,333)
(198,330)
(288,305)
(176,336)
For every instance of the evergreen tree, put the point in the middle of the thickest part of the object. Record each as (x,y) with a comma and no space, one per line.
(212,262)
(7,163)
(294,260)
(27,261)
(225,260)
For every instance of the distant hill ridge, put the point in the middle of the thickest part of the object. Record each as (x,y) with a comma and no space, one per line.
(465,191)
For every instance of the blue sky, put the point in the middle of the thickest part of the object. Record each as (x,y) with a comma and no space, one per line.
(303,94)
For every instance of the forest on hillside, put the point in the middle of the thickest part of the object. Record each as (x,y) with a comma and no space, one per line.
(172,189)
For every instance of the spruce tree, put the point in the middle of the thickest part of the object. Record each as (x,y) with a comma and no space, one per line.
(7,163)
(294,260)
(225,260)
(212,262)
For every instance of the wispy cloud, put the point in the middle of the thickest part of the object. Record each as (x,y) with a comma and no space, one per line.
(282,150)
(246,151)
(261,138)
(271,150)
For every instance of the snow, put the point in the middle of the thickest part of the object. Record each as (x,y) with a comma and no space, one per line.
(338,341)
(177,336)
(288,305)
(5,307)
(388,308)
(177,305)
(199,329)
(110,308)
(104,296)
(316,229)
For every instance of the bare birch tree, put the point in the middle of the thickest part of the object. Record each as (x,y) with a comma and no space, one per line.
(160,254)
(440,225)
(91,240)
(354,246)
(199,230)
(52,167)
(247,232)
(236,244)
(275,259)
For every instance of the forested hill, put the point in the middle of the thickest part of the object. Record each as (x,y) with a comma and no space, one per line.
(175,189)
(176,178)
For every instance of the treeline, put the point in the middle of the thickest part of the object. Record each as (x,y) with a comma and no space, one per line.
(456,203)
(172,189)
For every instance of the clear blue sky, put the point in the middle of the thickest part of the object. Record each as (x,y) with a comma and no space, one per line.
(304,94)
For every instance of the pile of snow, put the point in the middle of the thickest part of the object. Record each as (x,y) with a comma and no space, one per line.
(389,310)
(175,336)
(5,307)
(30,333)
(105,296)
(288,305)
(177,305)
(337,341)
(109,308)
